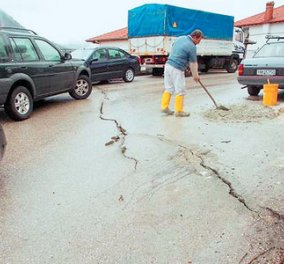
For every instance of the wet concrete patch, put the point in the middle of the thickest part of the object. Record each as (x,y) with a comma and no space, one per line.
(244,113)
(266,239)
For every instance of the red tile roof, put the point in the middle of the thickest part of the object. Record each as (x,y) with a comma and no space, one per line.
(120,34)
(278,16)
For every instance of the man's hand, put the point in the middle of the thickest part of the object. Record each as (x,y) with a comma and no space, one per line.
(196,78)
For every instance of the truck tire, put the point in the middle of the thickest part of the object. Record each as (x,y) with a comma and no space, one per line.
(232,66)
(158,72)
(82,89)
(206,68)
(253,90)
(19,104)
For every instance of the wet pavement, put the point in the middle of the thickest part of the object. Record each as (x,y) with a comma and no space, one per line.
(112,180)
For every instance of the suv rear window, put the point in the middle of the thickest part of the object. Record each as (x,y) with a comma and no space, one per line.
(24,49)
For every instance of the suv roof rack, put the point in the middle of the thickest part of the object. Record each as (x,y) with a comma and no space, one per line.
(269,37)
(18,29)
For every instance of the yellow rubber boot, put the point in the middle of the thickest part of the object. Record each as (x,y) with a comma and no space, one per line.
(179,107)
(166,98)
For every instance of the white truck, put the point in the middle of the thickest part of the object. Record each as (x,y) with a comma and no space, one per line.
(152,29)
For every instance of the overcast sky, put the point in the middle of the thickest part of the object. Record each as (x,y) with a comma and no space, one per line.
(66,21)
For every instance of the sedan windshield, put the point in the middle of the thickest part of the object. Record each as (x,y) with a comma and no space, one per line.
(82,54)
(271,50)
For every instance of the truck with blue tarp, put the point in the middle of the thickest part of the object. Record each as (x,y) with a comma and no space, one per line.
(152,29)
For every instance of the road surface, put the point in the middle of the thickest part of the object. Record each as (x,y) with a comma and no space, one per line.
(112,180)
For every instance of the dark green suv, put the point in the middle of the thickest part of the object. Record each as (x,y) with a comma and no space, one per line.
(32,68)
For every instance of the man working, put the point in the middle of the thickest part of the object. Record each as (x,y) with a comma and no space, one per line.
(183,53)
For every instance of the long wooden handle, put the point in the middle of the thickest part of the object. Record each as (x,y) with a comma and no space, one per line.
(211,97)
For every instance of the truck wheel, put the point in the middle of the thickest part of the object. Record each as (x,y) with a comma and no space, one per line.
(158,72)
(19,105)
(253,90)
(232,66)
(128,75)
(205,69)
(82,89)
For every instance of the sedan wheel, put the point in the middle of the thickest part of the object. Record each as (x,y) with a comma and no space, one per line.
(129,75)
(253,90)
(19,105)
(82,89)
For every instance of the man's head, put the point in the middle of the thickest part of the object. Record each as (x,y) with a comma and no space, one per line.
(196,36)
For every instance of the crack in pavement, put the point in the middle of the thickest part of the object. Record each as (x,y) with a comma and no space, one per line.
(122,132)
(279,218)
(274,213)
(272,235)
(232,191)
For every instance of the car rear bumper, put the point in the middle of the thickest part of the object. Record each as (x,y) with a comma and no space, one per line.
(260,80)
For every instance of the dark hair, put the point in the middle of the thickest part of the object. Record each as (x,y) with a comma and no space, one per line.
(196,33)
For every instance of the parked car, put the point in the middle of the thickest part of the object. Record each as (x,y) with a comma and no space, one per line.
(32,68)
(3,142)
(266,64)
(108,63)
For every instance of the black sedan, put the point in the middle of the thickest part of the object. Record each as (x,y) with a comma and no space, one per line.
(108,63)
(266,64)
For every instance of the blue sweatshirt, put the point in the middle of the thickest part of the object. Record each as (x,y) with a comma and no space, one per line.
(183,52)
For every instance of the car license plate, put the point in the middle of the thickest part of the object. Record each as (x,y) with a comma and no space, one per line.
(266,72)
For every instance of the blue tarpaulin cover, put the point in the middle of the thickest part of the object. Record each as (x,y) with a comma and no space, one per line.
(167,20)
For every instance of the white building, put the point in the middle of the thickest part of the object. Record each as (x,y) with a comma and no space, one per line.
(269,22)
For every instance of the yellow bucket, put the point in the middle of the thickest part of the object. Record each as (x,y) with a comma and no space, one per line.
(270,94)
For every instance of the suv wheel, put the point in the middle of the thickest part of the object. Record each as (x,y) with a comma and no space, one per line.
(129,75)
(253,90)
(19,105)
(82,89)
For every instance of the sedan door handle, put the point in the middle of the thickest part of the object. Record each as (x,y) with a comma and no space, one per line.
(50,65)
(24,68)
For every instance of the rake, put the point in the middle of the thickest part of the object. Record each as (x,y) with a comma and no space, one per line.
(218,107)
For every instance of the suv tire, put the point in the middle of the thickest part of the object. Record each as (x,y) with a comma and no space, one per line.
(82,89)
(19,104)
(128,75)
(253,90)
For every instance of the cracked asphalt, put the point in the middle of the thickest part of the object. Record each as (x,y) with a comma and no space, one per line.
(112,180)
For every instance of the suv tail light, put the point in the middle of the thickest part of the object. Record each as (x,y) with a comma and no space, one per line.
(241,69)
